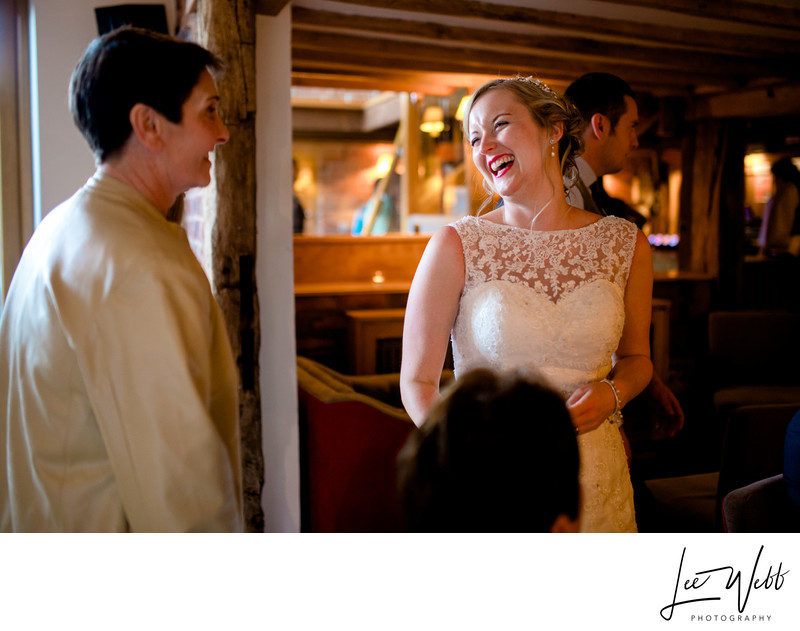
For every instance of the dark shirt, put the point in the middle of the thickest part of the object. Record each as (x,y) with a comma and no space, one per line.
(298,215)
(612,206)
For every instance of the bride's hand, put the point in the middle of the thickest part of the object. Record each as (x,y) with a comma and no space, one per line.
(590,405)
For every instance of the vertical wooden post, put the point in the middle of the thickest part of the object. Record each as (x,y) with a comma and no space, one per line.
(16,186)
(228,30)
(688,143)
(703,159)
(731,217)
(409,180)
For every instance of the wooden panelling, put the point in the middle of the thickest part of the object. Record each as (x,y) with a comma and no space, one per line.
(337,260)
(334,275)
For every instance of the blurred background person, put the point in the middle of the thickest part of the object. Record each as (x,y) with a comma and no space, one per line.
(298,212)
(780,228)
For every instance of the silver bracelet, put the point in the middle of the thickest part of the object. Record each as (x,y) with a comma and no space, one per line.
(617,415)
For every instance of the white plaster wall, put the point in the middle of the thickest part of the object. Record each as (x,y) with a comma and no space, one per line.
(274,273)
(60,32)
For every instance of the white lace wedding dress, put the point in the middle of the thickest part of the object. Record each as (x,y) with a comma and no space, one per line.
(553,303)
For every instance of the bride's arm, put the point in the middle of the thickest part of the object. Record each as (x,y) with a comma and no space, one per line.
(594,402)
(633,369)
(430,313)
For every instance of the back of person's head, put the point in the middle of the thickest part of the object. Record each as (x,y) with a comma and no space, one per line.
(600,93)
(128,66)
(786,170)
(496,454)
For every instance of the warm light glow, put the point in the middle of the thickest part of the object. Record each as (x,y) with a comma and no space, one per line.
(461,107)
(378,277)
(758,181)
(756,164)
(383,166)
(433,121)
(305,179)
(616,187)
(674,196)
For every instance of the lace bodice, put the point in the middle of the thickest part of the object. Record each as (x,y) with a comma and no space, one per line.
(553,303)
(548,301)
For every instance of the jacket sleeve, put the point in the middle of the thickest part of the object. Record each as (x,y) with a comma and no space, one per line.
(162,381)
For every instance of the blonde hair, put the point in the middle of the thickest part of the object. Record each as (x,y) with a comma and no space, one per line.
(547,109)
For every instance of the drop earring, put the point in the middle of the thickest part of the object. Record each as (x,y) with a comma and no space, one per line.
(552,148)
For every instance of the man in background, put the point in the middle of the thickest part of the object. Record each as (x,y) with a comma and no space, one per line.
(610,115)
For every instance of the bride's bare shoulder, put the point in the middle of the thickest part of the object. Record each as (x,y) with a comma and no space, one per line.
(495,216)
(581,218)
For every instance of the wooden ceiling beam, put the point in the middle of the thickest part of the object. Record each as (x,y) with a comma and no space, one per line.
(713,41)
(738,11)
(573,47)
(371,53)
(270,7)
(435,84)
(324,63)
(314,61)
(758,101)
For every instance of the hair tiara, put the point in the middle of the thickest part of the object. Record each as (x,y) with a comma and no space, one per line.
(537,82)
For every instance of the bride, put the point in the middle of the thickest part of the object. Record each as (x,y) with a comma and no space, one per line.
(540,285)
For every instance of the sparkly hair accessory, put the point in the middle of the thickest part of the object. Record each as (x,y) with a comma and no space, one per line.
(539,84)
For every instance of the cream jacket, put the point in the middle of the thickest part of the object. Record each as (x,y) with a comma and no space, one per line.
(118,388)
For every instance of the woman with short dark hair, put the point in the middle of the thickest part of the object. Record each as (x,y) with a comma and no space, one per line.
(119,385)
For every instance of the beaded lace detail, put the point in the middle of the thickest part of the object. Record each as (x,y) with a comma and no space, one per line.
(552,263)
(552,303)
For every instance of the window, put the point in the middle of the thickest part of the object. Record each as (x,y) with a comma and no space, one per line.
(15,147)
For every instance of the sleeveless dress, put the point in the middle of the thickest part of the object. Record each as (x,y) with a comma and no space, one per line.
(552,303)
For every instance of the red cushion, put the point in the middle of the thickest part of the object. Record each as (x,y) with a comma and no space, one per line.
(351,448)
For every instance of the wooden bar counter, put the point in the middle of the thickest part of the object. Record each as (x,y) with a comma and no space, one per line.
(368,276)
(334,275)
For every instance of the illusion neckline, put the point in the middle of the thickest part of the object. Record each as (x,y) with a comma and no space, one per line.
(541,232)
